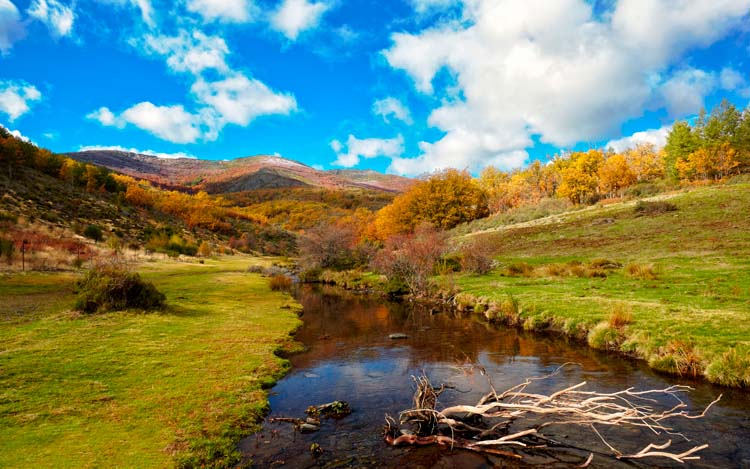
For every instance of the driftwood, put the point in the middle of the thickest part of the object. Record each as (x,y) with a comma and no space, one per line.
(491,426)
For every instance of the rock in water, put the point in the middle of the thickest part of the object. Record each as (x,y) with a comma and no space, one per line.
(398,335)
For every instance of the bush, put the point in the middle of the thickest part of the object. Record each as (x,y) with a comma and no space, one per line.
(476,258)
(111,288)
(93,232)
(654,208)
(6,250)
(641,271)
(519,269)
(280,283)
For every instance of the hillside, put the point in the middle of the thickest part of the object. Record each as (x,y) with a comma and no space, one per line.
(241,174)
(665,279)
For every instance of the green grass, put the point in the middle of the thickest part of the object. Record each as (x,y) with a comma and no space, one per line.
(131,389)
(686,277)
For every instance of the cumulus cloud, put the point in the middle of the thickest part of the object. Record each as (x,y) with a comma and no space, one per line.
(58,17)
(18,134)
(104,116)
(525,68)
(157,154)
(16,98)
(686,91)
(230,11)
(189,52)
(239,99)
(297,16)
(11,28)
(423,6)
(656,137)
(366,148)
(391,107)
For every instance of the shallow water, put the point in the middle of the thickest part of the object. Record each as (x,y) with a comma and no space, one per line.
(351,358)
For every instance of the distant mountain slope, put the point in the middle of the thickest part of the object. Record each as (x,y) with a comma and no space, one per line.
(256,172)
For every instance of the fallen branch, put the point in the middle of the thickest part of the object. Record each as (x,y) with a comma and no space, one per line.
(486,426)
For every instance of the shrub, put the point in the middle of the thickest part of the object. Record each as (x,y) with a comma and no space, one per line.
(280,283)
(604,337)
(476,257)
(111,288)
(654,208)
(6,250)
(641,271)
(519,269)
(678,357)
(731,369)
(93,232)
(204,250)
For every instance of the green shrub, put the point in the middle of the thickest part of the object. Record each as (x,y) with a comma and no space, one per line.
(93,232)
(654,208)
(111,288)
(6,250)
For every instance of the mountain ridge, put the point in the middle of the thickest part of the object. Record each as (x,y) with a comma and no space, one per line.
(239,174)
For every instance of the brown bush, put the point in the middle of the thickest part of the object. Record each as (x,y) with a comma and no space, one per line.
(280,283)
(476,257)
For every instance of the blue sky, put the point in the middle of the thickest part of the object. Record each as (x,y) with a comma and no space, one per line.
(405,86)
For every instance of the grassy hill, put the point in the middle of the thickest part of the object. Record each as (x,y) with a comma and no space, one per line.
(665,279)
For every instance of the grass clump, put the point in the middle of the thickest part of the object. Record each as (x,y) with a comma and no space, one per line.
(605,337)
(280,283)
(641,271)
(645,208)
(731,369)
(619,317)
(113,288)
(519,269)
(679,357)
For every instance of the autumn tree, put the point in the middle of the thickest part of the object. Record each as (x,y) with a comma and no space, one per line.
(580,177)
(444,200)
(645,162)
(615,174)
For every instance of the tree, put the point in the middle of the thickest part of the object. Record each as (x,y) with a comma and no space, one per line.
(615,175)
(580,177)
(93,232)
(681,142)
(444,200)
(328,247)
(204,250)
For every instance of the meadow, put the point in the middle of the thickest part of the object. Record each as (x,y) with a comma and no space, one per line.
(178,387)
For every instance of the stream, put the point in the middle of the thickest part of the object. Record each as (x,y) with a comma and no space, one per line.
(350,357)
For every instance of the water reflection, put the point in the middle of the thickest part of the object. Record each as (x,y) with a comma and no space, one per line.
(351,358)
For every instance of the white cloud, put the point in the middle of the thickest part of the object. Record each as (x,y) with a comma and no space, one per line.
(171,123)
(145,7)
(235,11)
(656,137)
(685,91)
(524,68)
(423,6)
(190,52)
(390,106)
(11,28)
(239,99)
(104,116)
(135,150)
(16,98)
(732,80)
(297,16)
(366,148)
(18,135)
(58,17)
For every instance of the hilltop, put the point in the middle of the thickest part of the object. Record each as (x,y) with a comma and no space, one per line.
(237,175)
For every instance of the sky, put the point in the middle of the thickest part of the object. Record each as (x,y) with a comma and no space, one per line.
(402,86)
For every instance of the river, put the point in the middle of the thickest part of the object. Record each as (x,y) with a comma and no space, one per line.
(350,357)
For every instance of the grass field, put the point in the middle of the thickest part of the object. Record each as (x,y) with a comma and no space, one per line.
(126,389)
(679,281)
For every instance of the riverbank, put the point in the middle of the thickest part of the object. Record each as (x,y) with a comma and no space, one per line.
(123,389)
(665,281)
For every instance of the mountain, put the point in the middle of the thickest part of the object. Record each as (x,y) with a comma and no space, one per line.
(241,174)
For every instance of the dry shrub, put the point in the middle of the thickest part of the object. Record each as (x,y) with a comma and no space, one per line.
(619,317)
(280,283)
(476,257)
(519,269)
(602,263)
(641,271)
(555,270)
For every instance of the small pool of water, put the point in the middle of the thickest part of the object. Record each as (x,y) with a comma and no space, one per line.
(350,357)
